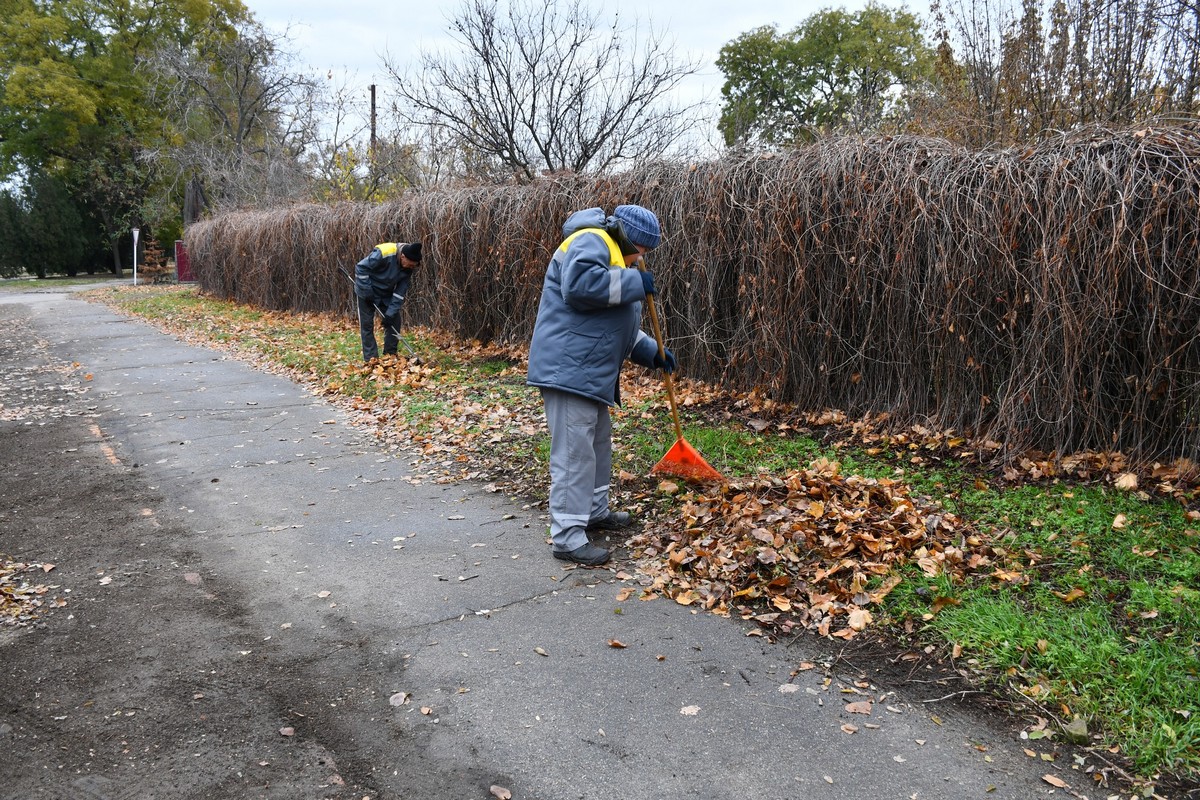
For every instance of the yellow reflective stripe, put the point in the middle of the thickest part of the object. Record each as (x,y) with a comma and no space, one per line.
(387,249)
(616,259)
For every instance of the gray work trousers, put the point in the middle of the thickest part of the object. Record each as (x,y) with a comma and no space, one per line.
(580,465)
(367,309)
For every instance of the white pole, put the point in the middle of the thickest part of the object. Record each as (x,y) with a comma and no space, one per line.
(135,235)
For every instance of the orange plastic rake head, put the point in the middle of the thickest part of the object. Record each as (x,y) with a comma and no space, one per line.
(683,461)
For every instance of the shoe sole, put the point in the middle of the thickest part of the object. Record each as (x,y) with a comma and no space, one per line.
(567,557)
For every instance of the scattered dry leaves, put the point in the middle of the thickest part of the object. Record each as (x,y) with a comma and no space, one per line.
(860,707)
(22,597)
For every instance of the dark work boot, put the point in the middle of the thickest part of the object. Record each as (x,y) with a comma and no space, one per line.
(615,521)
(589,555)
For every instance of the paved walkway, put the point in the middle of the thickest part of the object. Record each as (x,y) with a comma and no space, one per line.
(368,580)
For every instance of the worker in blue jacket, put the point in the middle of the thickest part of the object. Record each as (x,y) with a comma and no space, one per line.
(588,323)
(381,283)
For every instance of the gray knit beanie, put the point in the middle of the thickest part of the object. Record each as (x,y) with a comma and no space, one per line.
(641,226)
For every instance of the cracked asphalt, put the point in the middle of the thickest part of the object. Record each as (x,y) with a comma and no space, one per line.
(257,601)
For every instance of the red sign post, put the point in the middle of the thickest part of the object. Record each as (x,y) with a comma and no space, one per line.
(183,269)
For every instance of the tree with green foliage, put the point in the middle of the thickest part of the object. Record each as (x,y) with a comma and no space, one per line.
(837,71)
(75,97)
(42,231)
(55,241)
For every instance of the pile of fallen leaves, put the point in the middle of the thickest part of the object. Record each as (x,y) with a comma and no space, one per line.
(22,597)
(815,549)
(877,435)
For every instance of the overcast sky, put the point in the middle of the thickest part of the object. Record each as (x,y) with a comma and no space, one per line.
(350,37)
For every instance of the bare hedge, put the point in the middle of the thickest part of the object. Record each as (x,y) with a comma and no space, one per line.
(1042,296)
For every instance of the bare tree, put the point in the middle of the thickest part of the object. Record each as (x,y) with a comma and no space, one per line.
(975,28)
(347,163)
(541,86)
(1181,24)
(244,120)
(1035,66)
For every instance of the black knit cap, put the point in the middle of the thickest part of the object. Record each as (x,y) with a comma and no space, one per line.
(412,251)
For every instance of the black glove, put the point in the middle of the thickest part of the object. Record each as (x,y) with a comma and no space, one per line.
(666,361)
(647,282)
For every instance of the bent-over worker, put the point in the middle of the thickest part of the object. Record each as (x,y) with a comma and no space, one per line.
(381,283)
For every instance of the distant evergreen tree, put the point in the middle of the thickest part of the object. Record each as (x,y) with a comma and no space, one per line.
(12,237)
(54,234)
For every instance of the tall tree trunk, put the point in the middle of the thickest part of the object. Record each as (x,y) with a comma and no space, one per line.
(195,202)
(116,255)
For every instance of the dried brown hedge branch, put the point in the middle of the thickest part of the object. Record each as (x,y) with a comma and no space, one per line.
(1044,296)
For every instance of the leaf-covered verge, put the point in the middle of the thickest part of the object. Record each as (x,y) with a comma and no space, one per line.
(1067,584)
(51,283)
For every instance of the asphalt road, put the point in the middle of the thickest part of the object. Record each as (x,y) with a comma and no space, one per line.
(257,601)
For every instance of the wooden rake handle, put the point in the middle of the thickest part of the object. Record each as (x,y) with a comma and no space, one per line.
(662,354)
